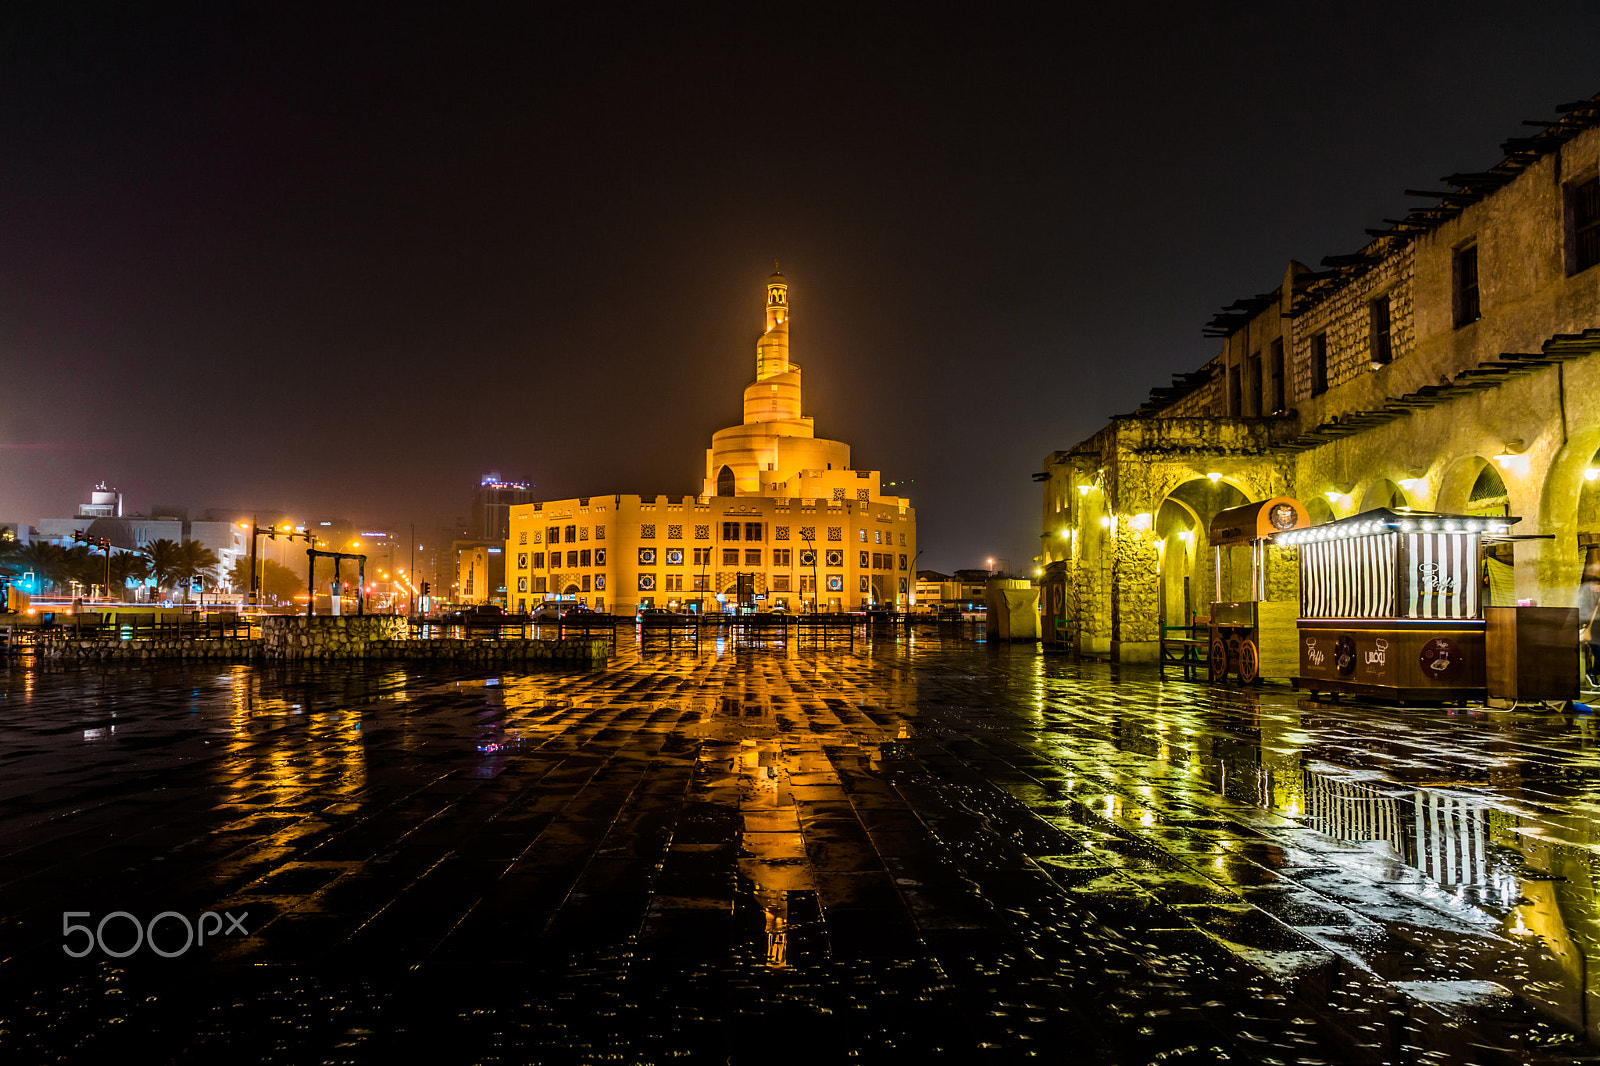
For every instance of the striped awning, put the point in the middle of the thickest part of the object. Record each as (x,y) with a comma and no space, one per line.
(1349,578)
(1442,575)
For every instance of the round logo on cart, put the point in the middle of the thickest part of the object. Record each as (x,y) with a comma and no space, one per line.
(1282,516)
(1440,658)
(1344,656)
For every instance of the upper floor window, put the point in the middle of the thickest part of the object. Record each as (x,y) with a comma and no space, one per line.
(730,531)
(1583,206)
(1466,279)
(1278,403)
(1252,378)
(752,531)
(1378,318)
(1319,364)
(1235,392)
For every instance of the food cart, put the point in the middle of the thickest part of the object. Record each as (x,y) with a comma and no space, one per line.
(1252,625)
(1391,604)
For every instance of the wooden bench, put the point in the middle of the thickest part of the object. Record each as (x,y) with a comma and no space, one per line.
(1184,650)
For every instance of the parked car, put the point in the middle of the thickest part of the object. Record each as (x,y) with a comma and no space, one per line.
(555,610)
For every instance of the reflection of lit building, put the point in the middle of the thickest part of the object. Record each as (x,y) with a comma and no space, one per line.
(781,508)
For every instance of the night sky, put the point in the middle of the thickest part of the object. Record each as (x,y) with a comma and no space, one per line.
(344,262)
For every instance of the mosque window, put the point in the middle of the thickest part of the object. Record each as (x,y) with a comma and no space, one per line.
(572,559)
(863,533)
(835,582)
(780,532)
(583,532)
(902,586)
(902,561)
(864,585)
(730,556)
(702,557)
(555,560)
(835,557)
(538,560)
(861,494)
(647,531)
(586,580)
(700,583)
(835,532)
(539,584)
(555,534)
(808,532)
(730,531)
(1584,198)
(522,537)
(752,557)
(522,562)
(599,557)
(877,536)
(522,584)
(600,582)
(599,532)
(538,537)
(838,494)
(780,583)
(702,532)
(675,533)
(647,557)
(674,556)
(781,556)
(752,531)
(808,558)
(572,534)
(647,582)
(863,560)
(902,540)
(583,557)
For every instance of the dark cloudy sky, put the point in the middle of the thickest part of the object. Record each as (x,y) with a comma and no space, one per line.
(344,259)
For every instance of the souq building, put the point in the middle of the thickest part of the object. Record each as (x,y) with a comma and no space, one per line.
(779,507)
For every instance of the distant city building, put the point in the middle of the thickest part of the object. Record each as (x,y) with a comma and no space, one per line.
(492,503)
(780,507)
(103,502)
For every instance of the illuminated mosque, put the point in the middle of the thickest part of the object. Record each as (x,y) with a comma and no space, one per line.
(779,507)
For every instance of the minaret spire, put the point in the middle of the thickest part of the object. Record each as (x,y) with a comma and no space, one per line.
(772,351)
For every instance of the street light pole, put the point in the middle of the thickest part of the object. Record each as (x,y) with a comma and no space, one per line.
(810,541)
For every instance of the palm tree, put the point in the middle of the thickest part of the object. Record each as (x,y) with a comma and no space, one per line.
(163,556)
(125,567)
(196,560)
(48,562)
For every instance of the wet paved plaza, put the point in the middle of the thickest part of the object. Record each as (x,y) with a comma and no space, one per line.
(928,850)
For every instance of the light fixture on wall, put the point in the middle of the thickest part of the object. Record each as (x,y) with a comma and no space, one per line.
(1513,449)
(1215,476)
(1083,490)
(1340,492)
(1591,473)
(1141,521)
(1186,535)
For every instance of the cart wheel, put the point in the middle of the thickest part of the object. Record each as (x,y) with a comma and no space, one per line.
(1219,658)
(1249,662)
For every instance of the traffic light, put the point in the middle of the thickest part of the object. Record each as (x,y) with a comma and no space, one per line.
(425,588)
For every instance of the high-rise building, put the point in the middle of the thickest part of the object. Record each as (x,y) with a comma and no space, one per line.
(492,503)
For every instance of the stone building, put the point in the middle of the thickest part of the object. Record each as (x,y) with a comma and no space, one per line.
(778,504)
(1447,365)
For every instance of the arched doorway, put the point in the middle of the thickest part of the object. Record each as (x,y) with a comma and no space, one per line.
(1183,548)
(725,481)
(1385,493)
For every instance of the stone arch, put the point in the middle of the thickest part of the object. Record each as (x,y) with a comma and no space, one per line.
(1384,493)
(1569,508)
(1190,507)
(570,590)
(1318,510)
(725,481)
(1464,480)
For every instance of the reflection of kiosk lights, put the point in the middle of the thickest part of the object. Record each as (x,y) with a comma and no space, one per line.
(1391,604)
(1253,635)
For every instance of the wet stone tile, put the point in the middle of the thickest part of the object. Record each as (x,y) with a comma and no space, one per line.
(908,849)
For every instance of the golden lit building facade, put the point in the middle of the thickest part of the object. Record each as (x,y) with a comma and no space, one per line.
(778,505)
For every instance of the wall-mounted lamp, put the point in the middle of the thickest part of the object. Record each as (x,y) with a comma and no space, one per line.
(1141,521)
(1215,476)
(1186,535)
(1591,473)
(1513,448)
(1083,490)
(1105,521)
(1066,534)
